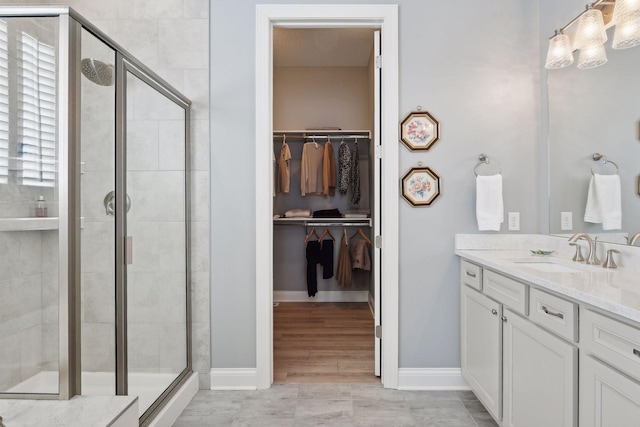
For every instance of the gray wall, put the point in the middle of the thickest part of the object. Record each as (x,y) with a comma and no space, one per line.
(475,67)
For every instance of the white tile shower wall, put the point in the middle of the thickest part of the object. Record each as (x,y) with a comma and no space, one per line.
(22,315)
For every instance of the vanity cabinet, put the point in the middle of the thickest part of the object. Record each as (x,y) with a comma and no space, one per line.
(481,344)
(609,372)
(523,374)
(607,397)
(540,376)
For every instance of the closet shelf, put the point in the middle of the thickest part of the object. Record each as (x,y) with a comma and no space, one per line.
(323,133)
(324,222)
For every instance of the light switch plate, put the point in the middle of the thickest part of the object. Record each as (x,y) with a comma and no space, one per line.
(514,221)
(566,221)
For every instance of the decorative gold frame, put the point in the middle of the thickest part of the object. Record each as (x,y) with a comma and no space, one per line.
(420,186)
(419,131)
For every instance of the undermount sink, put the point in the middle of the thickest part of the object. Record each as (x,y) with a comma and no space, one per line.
(551,265)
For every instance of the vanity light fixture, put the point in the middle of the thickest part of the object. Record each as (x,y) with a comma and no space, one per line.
(560,54)
(587,33)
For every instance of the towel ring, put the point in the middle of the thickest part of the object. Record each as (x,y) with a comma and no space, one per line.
(484,159)
(600,157)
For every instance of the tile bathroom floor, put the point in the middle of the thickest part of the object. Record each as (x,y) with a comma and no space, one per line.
(337,404)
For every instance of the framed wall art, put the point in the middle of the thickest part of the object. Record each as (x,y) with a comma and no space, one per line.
(420,186)
(419,131)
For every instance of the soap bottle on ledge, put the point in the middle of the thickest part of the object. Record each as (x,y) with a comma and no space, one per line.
(41,208)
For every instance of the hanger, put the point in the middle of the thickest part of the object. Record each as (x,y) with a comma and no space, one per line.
(326,232)
(310,235)
(345,237)
(284,139)
(361,234)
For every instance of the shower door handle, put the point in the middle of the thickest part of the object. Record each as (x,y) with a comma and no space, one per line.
(109,203)
(128,250)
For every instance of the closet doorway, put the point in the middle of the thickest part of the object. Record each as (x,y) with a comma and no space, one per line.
(326,205)
(326,89)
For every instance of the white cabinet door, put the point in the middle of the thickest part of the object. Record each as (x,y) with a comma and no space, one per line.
(607,397)
(481,330)
(540,376)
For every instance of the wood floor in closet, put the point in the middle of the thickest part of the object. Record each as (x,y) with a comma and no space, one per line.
(323,343)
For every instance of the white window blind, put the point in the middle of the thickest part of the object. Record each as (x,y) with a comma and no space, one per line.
(4,103)
(36,112)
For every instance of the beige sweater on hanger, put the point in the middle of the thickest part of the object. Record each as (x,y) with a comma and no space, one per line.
(311,168)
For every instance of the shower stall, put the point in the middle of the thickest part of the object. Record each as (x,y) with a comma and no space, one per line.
(94,216)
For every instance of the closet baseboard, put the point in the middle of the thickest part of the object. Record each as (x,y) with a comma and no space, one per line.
(372,304)
(234,378)
(321,296)
(431,379)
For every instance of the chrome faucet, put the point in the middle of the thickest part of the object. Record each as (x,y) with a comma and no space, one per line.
(591,256)
(633,239)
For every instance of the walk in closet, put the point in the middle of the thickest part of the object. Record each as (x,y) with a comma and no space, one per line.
(326,204)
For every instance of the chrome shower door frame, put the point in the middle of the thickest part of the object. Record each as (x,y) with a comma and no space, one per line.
(68,138)
(126,65)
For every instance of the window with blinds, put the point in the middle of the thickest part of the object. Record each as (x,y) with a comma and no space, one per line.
(36,112)
(4,103)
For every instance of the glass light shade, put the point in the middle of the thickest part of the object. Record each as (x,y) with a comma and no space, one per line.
(592,56)
(590,29)
(627,32)
(625,8)
(559,54)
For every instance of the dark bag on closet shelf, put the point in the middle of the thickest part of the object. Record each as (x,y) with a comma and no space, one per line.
(327,213)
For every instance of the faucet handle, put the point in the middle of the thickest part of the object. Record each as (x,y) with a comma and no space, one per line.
(578,256)
(610,263)
(594,255)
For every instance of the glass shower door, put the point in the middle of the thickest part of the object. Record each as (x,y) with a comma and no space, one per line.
(156,249)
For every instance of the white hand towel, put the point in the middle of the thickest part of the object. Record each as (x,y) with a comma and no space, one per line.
(604,202)
(489,204)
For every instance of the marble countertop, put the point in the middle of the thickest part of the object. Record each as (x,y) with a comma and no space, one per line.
(81,411)
(614,290)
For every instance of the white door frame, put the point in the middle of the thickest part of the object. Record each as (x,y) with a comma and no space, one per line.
(384,17)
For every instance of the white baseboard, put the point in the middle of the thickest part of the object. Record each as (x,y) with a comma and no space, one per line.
(172,410)
(234,378)
(321,296)
(431,379)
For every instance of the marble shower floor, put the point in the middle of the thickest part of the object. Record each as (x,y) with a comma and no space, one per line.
(339,405)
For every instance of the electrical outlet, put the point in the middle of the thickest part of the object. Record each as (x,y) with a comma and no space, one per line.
(566,221)
(514,221)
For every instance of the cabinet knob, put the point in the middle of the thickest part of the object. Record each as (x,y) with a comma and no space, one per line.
(504,319)
(494,311)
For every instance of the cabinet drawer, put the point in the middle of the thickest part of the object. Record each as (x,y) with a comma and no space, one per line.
(556,314)
(614,342)
(509,292)
(470,275)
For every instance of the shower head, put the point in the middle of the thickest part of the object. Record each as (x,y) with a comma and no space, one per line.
(97,71)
